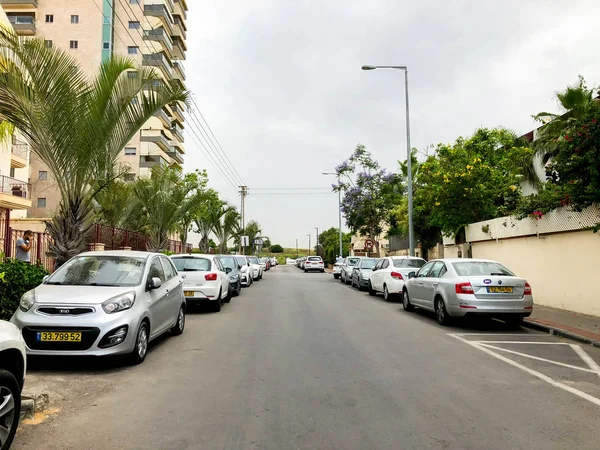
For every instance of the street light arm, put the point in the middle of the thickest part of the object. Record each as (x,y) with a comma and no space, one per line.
(369,67)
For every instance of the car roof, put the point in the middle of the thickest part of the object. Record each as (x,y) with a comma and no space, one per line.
(194,255)
(406,257)
(130,253)
(453,260)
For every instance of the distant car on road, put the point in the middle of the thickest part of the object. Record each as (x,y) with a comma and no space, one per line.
(337,268)
(103,303)
(265,264)
(390,274)
(346,269)
(235,276)
(361,273)
(460,287)
(13,363)
(314,263)
(257,269)
(290,262)
(245,270)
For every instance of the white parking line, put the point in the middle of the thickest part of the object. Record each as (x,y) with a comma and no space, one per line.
(537,358)
(535,373)
(587,359)
(517,342)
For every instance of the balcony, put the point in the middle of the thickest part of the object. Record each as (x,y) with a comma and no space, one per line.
(158,60)
(177,132)
(23,25)
(180,8)
(152,160)
(179,71)
(176,156)
(178,146)
(177,112)
(179,47)
(158,137)
(14,194)
(163,115)
(160,35)
(162,13)
(18,155)
(180,28)
(19,3)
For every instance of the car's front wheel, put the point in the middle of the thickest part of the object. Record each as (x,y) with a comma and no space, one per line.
(406,304)
(180,324)
(10,408)
(372,291)
(138,355)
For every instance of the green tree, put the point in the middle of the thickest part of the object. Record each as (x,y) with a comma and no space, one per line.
(226,225)
(205,217)
(329,241)
(113,205)
(77,126)
(194,183)
(253,230)
(276,248)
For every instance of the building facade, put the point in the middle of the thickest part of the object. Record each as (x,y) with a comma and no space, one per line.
(151,32)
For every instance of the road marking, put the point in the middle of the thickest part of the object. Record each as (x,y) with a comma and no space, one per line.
(537,358)
(516,342)
(535,373)
(586,358)
(496,334)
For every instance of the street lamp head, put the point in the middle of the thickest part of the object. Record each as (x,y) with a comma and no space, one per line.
(369,67)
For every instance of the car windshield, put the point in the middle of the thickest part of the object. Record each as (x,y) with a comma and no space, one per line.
(314,258)
(253,259)
(100,271)
(228,262)
(353,261)
(368,263)
(409,262)
(241,260)
(191,264)
(480,268)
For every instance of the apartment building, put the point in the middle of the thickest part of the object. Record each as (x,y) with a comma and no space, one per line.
(152,32)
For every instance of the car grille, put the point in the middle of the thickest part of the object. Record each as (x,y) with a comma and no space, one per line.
(88,337)
(65,311)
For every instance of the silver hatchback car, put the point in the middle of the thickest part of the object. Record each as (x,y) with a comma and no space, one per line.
(103,303)
(460,287)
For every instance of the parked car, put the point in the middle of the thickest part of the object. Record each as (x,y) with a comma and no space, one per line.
(337,268)
(290,262)
(245,270)
(13,364)
(390,274)
(301,262)
(274,262)
(459,287)
(361,273)
(103,303)
(347,266)
(205,279)
(257,270)
(233,273)
(265,263)
(314,263)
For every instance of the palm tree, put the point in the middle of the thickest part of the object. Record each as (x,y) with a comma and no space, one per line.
(113,205)
(76,126)
(206,216)
(226,226)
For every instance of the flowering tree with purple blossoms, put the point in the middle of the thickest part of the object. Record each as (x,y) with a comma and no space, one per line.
(369,193)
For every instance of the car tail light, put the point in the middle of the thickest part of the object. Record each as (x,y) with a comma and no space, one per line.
(527,289)
(464,288)
(396,276)
(210,277)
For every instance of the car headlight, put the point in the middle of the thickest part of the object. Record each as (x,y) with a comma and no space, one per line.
(119,303)
(27,301)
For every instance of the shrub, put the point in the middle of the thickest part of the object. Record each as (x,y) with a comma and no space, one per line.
(276,248)
(16,278)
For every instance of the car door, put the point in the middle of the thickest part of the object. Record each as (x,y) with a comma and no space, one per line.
(158,303)
(430,284)
(384,273)
(417,286)
(376,281)
(174,284)
(223,278)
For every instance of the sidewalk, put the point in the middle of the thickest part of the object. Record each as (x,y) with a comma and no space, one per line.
(571,325)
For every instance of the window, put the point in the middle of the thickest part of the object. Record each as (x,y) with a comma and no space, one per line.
(129,177)
(379,265)
(384,264)
(48,43)
(41,202)
(219,265)
(192,264)
(106,46)
(134,25)
(74,45)
(170,272)
(439,269)
(425,270)
(409,262)
(74,18)
(12,172)
(481,268)
(133,49)
(42,175)
(134,2)
(49,18)
(367,263)
(130,151)
(156,271)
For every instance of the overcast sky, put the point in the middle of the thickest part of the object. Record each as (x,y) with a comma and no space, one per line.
(281,87)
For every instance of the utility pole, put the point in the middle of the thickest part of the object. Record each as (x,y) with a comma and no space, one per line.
(243,195)
(297,254)
(308,244)
(317,251)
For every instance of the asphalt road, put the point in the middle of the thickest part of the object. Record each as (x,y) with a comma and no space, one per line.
(300,361)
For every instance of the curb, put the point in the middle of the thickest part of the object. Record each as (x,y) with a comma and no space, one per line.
(559,332)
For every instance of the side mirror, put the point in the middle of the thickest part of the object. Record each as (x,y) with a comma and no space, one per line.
(155,283)
(412,274)
(239,267)
(228,270)
(374,269)
(45,278)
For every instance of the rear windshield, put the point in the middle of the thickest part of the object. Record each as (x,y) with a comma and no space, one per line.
(368,263)
(314,258)
(353,261)
(480,268)
(241,260)
(184,264)
(409,262)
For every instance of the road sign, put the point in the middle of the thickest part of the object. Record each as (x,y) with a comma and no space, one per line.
(245,241)
(369,244)
(258,241)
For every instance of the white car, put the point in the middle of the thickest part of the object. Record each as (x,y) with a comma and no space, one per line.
(390,274)
(245,270)
(290,262)
(204,279)
(314,263)
(337,268)
(257,269)
(13,363)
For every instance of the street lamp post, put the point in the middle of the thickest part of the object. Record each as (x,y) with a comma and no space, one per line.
(411,232)
(339,210)
(308,234)
(317,249)
(296,248)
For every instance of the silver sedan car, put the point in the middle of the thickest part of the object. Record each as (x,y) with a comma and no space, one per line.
(103,303)
(460,287)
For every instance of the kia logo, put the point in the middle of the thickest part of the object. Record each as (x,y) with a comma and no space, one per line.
(64,311)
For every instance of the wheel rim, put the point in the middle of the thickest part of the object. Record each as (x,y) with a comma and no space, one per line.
(181,319)
(385,292)
(142,346)
(441,313)
(7,414)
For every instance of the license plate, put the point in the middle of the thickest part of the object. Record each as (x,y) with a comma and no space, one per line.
(58,336)
(500,289)
(188,293)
